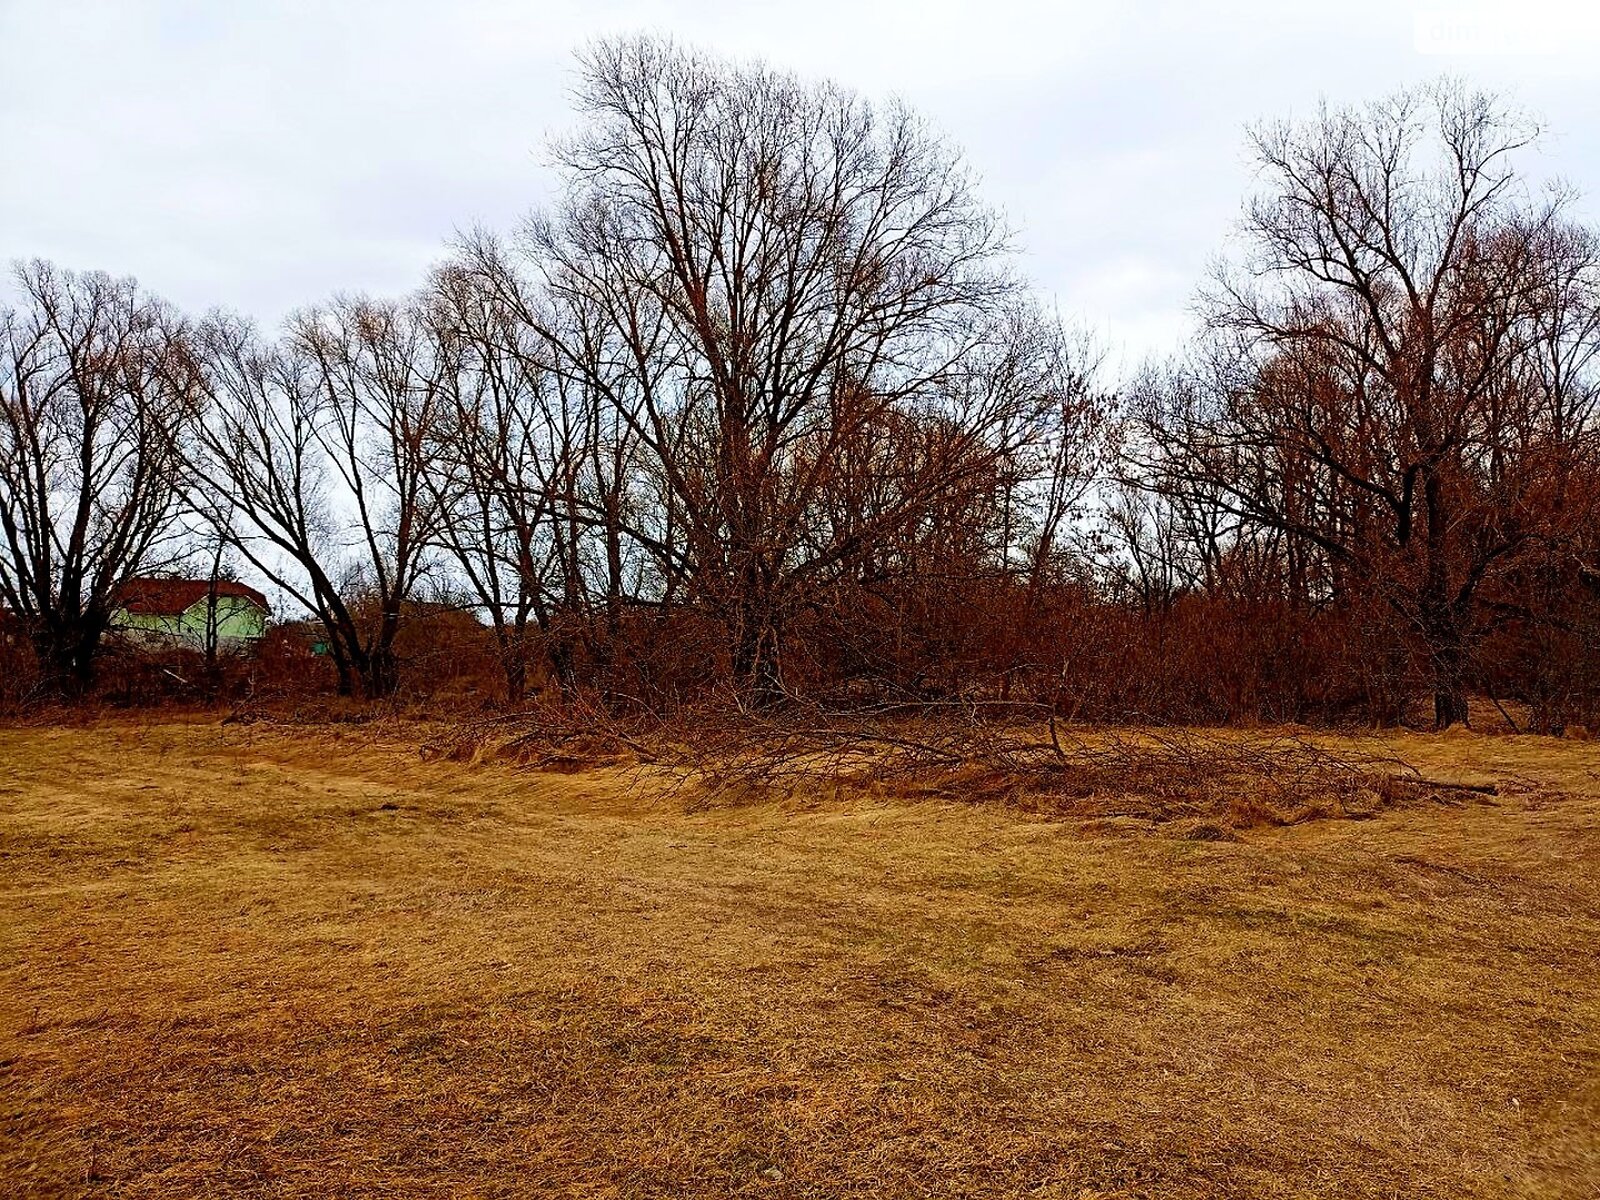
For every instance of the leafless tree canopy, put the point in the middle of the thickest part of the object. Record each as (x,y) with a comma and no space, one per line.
(763,405)
(95,398)
(788,311)
(312,458)
(1399,380)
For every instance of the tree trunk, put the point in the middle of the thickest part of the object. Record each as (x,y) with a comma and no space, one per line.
(1442,618)
(514,662)
(1449,693)
(380,677)
(1442,629)
(757,656)
(66,657)
(341,664)
(563,662)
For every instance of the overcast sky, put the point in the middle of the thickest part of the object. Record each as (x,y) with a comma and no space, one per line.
(261,155)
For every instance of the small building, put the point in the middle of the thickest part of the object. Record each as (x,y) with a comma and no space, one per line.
(181,613)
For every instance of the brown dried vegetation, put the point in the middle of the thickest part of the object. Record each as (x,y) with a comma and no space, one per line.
(287,960)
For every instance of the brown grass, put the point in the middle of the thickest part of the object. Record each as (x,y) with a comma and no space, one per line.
(270,961)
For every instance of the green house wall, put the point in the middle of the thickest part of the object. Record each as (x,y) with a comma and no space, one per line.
(237,619)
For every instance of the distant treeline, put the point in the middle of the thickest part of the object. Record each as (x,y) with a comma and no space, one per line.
(764,403)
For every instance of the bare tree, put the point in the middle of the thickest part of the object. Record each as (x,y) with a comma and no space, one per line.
(315,453)
(527,473)
(774,274)
(1387,381)
(95,396)
(587,360)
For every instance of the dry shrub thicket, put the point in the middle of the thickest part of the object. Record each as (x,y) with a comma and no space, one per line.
(763,408)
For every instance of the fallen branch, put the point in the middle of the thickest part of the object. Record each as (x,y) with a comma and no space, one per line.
(1486,789)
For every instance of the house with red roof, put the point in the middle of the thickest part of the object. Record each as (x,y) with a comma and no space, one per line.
(189,612)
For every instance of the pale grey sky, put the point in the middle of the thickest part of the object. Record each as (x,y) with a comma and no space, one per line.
(261,155)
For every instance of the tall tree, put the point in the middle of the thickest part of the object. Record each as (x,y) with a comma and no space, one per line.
(778,273)
(312,463)
(529,469)
(1396,373)
(95,397)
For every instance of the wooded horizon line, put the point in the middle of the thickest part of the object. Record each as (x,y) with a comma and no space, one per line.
(765,401)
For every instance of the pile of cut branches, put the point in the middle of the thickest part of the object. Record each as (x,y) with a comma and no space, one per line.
(574,736)
(1033,761)
(725,752)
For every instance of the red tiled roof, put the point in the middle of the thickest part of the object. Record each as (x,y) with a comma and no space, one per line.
(169,597)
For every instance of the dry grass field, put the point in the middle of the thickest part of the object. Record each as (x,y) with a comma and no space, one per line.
(273,961)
